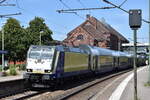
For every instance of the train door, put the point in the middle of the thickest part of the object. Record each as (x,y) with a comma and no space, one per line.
(96,63)
(116,62)
(129,60)
(93,63)
(90,62)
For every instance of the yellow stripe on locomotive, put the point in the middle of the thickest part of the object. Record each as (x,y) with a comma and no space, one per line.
(75,62)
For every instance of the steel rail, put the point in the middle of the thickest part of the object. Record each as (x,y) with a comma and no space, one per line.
(88,85)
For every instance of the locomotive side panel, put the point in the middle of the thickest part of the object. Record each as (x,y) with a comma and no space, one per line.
(75,62)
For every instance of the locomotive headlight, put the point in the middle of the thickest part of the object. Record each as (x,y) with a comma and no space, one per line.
(29,70)
(47,71)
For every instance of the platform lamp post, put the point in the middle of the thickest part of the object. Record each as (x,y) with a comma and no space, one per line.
(149,45)
(40,42)
(135,21)
(3,50)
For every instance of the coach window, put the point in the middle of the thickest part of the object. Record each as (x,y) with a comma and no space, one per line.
(80,37)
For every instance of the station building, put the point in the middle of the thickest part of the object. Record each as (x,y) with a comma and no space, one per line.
(95,33)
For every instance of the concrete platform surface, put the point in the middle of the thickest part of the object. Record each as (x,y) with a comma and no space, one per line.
(122,87)
(11,78)
(143,91)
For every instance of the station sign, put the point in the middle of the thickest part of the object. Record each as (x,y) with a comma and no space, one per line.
(3,52)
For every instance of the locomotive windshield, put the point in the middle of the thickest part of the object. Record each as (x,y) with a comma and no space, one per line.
(46,55)
(34,54)
(41,53)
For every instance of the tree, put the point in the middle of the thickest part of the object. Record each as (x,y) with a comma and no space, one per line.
(17,39)
(37,27)
(14,36)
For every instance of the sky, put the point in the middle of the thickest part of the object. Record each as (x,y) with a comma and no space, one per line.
(63,23)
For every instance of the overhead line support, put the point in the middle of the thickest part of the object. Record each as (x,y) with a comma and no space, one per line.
(119,7)
(1,16)
(7,5)
(68,10)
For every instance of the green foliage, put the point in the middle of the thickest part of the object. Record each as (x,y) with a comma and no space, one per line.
(12,70)
(147,84)
(21,66)
(18,39)
(14,35)
(37,27)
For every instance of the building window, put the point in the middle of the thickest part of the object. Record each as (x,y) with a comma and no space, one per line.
(80,37)
(95,43)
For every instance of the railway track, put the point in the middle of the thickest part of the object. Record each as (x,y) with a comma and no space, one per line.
(65,91)
(8,88)
(23,95)
(15,89)
(92,87)
(70,91)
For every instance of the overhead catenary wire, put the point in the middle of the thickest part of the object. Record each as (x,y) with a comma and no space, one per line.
(8,15)
(123,3)
(18,6)
(119,7)
(81,3)
(7,5)
(33,13)
(116,6)
(81,9)
(64,4)
(70,8)
(4,3)
(1,1)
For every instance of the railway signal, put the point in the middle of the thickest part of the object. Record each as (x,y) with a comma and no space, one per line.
(135,18)
(135,22)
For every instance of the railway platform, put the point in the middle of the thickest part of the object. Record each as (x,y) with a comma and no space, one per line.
(143,90)
(122,88)
(10,85)
(11,78)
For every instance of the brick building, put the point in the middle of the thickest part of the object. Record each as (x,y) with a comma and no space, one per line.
(96,33)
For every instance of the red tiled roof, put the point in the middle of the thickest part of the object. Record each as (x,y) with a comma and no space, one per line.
(104,26)
(98,35)
(97,30)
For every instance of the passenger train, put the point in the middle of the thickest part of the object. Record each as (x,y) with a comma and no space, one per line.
(50,64)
